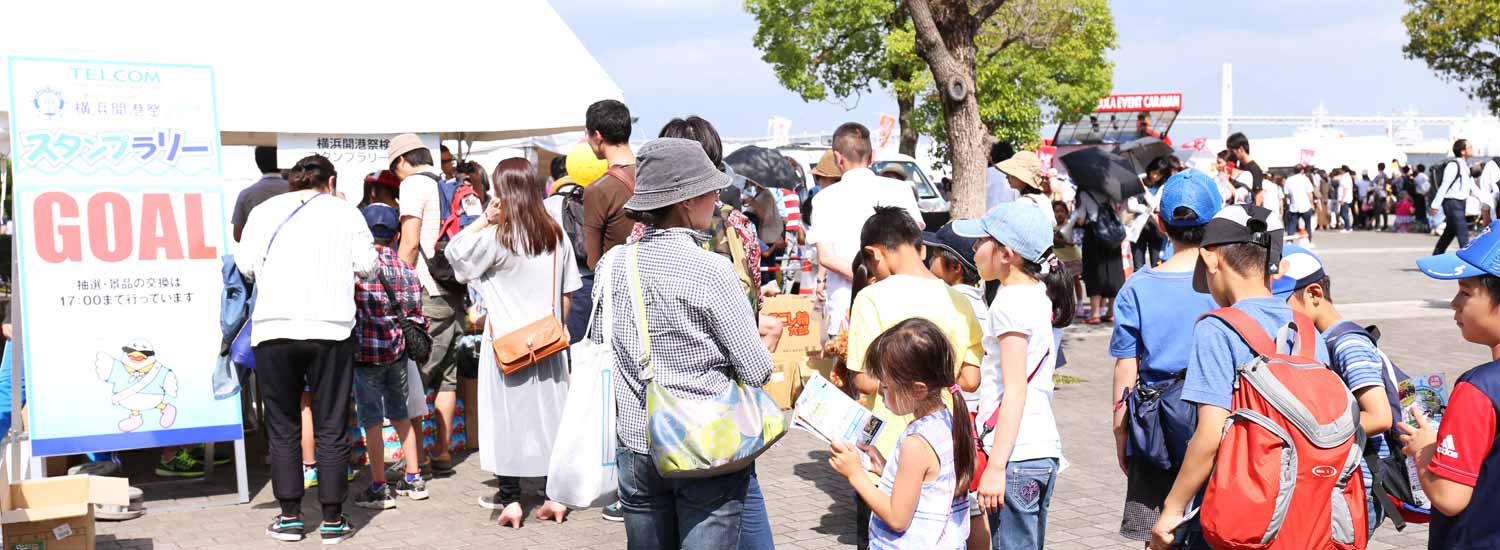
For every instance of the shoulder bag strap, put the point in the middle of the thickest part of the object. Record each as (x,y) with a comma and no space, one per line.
(555,296)
(989,423)
(255,290)
(640,312)
(283,224)
(390,294)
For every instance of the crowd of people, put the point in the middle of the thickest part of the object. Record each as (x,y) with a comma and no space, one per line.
(951,335)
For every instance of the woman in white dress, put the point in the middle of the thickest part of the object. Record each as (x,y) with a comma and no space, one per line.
(519,260)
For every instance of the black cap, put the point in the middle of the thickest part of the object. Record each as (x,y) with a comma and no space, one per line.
(945,238)
(1243,223)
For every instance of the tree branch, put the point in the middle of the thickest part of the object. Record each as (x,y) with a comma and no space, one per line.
(929,38)
(987,9)
(990,55)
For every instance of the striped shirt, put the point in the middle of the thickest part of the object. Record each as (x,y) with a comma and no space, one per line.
(703,332)
(1357,361)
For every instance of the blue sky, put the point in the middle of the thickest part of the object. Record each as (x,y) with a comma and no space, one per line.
(680,57)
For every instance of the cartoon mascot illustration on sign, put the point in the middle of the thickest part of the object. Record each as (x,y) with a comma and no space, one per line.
(140,383)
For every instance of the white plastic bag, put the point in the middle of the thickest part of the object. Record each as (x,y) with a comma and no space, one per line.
(582,471)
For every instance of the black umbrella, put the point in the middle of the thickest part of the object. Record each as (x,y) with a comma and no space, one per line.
(765,167)
(1142,151)
(1102,173)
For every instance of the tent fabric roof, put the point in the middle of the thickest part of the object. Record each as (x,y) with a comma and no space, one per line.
(342,66)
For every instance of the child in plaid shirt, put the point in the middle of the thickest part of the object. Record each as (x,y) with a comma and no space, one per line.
(380,385)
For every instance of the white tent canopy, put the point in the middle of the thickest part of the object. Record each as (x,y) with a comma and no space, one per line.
(341,66)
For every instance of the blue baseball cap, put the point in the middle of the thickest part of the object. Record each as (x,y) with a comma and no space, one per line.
(1481,257)
(1194,190)
(1299,268)
(1020,226)
(382,220)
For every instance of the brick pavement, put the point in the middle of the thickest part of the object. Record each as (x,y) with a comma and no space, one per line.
(810,506)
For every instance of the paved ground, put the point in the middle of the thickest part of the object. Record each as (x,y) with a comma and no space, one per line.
(810,506)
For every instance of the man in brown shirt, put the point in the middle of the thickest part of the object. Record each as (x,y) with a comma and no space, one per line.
(607,126)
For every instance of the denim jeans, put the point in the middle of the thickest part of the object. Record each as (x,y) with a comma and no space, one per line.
(1453,212)
(671,514)
(755,525)
(1022,523)
(1344,216)
(580,309)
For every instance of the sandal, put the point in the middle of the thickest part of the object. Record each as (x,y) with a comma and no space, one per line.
(1091,321)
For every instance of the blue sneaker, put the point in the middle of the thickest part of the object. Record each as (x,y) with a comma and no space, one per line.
(286,529)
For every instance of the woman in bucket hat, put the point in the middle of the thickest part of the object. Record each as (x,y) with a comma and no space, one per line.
(703,337)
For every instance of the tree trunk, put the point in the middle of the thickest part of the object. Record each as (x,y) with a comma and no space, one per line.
(945,40)
(904,105)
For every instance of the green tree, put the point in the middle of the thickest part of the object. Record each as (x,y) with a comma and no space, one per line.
(999,66)
(1460,41)
(823,49)
(1062,68)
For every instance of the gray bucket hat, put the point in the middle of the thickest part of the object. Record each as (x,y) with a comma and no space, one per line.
(672,170)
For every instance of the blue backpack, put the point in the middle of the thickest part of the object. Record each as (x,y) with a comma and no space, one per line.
(1390,481)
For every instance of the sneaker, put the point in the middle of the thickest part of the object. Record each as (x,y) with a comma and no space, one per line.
(442,467)
(286,529)
(383,498)
(613,512)
(492,502)
(353,473)
(181,465)
(334,533)
(223,454)
(415,489)
(309,476)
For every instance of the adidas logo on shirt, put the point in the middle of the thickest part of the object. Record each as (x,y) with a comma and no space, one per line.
(1446,448)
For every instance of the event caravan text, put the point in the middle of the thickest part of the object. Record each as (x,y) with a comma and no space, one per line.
(159,228)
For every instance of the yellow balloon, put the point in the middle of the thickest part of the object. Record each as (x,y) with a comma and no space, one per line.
(583,166)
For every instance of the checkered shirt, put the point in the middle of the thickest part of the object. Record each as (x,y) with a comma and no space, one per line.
(703,332)
(376,325)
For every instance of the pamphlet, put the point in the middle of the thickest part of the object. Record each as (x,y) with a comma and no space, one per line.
(826,412)
(1430,394)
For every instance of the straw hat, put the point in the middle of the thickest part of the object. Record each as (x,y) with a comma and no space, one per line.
(1024,166)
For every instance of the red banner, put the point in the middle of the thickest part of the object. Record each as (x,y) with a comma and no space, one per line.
(1045,154)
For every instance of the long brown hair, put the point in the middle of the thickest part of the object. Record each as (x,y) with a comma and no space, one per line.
(524,224)
(915,350)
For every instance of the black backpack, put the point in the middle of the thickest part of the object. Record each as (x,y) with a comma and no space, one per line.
(572,220)
(1442,174)
(1107,226)
(437,265)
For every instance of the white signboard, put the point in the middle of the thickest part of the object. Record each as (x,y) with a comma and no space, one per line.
(120,225)
(354,156)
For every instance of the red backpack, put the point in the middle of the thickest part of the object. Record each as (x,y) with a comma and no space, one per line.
(1287,472)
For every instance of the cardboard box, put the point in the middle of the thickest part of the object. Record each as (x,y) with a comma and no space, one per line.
(785,383)
(58,513)
(820,365)
(803,332)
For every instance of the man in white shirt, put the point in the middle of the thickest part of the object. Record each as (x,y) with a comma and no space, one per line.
(841,211)
(421,224)
(1346,199)
(1299,190)
(1453,192)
